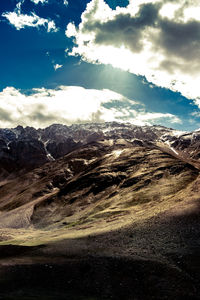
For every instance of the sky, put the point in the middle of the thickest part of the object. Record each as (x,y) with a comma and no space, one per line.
(81,61)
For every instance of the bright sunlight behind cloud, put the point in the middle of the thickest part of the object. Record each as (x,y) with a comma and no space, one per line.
(156,39)
(71,104)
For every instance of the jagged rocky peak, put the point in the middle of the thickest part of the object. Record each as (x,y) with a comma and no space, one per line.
(82,131)
(54,131)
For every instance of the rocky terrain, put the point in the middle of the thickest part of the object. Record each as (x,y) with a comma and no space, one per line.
(99,211)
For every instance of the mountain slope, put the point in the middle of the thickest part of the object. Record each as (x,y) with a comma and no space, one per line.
(125,201)
(106,181)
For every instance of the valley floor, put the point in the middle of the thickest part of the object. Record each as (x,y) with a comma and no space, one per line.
(154,259)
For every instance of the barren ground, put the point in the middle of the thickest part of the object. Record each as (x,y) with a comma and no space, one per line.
(124,226)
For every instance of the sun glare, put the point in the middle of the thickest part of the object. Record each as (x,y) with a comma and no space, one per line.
(168,10)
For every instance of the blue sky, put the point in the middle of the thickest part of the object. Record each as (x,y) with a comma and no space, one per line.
(66,61)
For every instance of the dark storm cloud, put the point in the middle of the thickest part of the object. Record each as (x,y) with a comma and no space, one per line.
(124,28)
(181,40)
(176,39)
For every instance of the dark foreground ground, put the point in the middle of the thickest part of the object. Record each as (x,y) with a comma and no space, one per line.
(158,260)
(94,278)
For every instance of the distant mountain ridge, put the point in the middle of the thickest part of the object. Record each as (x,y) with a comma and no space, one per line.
(26,148)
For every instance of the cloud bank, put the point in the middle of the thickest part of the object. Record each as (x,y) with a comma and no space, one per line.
(71,104)
(157,39)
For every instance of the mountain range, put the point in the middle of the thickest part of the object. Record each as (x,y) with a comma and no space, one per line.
(98,198)
(27,148)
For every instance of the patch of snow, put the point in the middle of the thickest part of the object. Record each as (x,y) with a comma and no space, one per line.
(50,157)
(167,142)
(187,136)
(174,150)
(116,153)
(16,132)
(134,139)
(178,133)
(45,143)
(171,148)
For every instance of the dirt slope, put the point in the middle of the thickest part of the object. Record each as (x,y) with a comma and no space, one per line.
(108,220)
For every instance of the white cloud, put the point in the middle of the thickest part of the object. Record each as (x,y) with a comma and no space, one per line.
(38,1)
(20,21)
(195,114)
(51,26)
(158,39)
(71,104)
(71,30)
(57,66)
(65,2)
(19,5)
